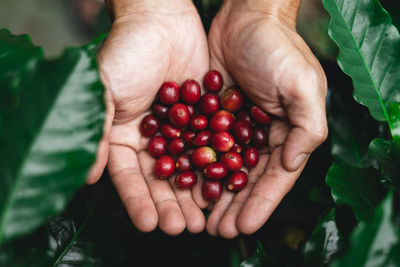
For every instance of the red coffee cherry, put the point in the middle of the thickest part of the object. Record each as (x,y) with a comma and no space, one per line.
(164,167)
(260,137)
(237,181)
(212,190)
(169,131)
(221,121)
(232,99)
(160,110)
(242,132)
(169,93)
(186,180)
(176,146)
(259,116)
(203,156)
(222,141)
(188,137)
(199,122)
(236,148)
(250,156)
(190,92)
(202,138)
(216,170)
(179,115)
(157,146)
(149,125)
(232,160)
(183,163)
(209,104)
(213,81)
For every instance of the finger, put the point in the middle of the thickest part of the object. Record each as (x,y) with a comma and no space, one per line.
(194,217)
(267,193)
(227,226)
(218,211)
(306,112)
(129,182)
(170,217)
(197,194)
(102,151)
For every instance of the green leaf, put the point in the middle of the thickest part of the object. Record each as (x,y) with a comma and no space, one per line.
(351,130)
(369,51)
(374,243)
(388,156)
(324,243)
(49,135)
(394,122)
(358,188)
(259,259)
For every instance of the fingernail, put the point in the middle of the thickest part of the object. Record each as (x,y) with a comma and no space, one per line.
(299,160)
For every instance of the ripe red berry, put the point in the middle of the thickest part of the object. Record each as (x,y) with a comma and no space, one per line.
(221,121)
(213,81)
(242,132)
(202,138)
(209,104)
(232,99)
(185,180)
(188,137)
(176,146)
(190,92)
(160,110)
(179,115)
(259,116)
(183,163)
(260,137)
(164,167)
(212,190)
(216,170)
(169,131)
(237,181)
(157,146)
(149,125)
(250,156)
(203,156)
(243,115)
(199,122)
(232,160)
(236,148)
(169,93)
(222,141)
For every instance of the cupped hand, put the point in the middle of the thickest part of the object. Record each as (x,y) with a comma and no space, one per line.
(263,54)
(145,48)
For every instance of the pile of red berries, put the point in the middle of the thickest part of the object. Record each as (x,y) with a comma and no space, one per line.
(197,134)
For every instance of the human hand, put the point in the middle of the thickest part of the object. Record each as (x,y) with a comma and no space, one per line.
(150,42)
(255,45)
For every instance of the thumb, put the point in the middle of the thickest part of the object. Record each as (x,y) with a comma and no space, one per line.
(100,163)
(306,112)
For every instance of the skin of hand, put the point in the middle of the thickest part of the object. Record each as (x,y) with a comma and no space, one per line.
(150,42)
(254,44)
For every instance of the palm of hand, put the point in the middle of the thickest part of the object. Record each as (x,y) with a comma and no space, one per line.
(134,62)
(275,68)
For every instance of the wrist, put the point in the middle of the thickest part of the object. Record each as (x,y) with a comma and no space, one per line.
(121,8)
(283,10)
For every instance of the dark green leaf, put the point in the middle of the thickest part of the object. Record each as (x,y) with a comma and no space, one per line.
(358,188)
(49,135)
(374,243)
(394,122)
(369,51)
(259,259)
(324,243)
(388,156)
(351,130)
